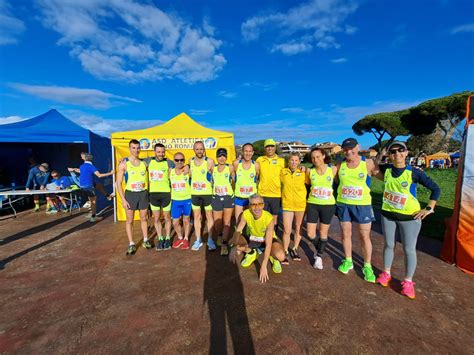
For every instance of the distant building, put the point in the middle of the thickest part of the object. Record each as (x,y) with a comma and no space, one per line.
(330,147)
(286,148)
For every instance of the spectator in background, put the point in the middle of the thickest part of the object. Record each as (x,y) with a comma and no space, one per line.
(38,177)
(59,182)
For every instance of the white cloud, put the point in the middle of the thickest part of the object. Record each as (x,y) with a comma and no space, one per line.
(339,60)
(303,27)
(292,109)
(263,86)
(11,119)
(10,26)
(149,44)
(75,96)
(197,112)
(463,28)
(227,94)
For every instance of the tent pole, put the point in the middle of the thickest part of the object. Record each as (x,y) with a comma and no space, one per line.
(113,182)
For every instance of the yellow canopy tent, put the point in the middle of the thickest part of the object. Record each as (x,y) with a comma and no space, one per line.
(177,135)
(439,155)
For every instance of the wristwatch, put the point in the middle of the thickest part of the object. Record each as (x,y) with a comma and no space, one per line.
(428,208)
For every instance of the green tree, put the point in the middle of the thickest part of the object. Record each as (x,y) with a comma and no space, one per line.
(258,148)
(438,118)
(381,125)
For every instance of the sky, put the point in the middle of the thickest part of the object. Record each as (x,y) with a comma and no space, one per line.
(288,70)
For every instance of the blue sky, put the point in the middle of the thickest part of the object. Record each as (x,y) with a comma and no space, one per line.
(289,70)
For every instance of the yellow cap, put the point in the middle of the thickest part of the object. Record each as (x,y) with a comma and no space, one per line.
(269,142)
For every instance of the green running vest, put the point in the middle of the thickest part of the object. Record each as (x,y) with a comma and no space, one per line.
(158,176)
(136,177)
(200,183)
(354,185)
(222,181)
(245,181)
(399,194)
(321,192)
(180,189)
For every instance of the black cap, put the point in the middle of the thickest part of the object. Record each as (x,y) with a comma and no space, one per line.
(221,152)
(349,143)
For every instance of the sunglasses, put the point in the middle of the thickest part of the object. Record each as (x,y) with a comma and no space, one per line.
(400,150)
(257,205)
(54,176)
(179,160)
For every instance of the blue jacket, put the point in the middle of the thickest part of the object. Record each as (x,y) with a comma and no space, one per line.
(37,178)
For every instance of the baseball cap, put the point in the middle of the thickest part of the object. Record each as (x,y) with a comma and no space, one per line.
(401,144)
(221,152)
(45,165)
(349,143)
(269,142)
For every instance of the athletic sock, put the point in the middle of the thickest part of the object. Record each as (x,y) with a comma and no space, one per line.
(367,264)
(160,237)
(37,204)
(131,243)
(321,246)
(167,237)
(145,239)
(349,259)
(315,242)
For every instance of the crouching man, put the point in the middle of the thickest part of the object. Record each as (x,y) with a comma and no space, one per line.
(259,237)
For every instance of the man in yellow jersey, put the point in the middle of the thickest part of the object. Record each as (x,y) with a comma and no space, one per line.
(246,175)
(201,168)
(269,184)
(135,196)
(180,201)
(160,194)
(258,237)
(354,204)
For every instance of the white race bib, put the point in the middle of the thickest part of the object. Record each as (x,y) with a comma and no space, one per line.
(321,193)
(246,191)
(352,192)
(156,175)
(137,186)
(179,186)
(257,239)
(199,186)
(394,199)
(221,190)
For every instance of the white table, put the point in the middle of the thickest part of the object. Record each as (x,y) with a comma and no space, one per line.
(18,195)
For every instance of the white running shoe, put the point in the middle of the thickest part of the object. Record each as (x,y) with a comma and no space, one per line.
(318,262)
(87,205)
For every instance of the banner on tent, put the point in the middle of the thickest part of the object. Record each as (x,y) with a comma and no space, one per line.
(147,143)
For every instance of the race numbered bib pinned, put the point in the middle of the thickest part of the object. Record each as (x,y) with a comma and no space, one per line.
(221,190)
(179,186)
(321,193)
(246,190)
(352,192)
(156,175)
(253,238)
(137,186)
(395,199)
(199,186)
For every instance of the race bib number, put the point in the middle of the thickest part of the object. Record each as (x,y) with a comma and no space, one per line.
(178,186)
(137,186)
(221,190)
(199,186)
(352,192)
(156,175)
(321,193)
(394,199)
(246,190)
(257,239)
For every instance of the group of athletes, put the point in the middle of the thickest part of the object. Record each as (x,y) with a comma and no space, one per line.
(256,192)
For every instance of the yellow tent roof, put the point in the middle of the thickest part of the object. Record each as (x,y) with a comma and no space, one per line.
(179,126)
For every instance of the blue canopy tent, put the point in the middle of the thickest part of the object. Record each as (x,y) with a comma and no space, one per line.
(50,138)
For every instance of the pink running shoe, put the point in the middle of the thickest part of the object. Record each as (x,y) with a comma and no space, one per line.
(384,278)
(184,245)
(408,289)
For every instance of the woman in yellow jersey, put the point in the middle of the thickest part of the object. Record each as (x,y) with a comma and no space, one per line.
(321,202)
(223,198)
(246,175)
(293,200)
(401,209)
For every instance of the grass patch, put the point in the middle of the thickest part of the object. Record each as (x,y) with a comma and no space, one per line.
(433,225)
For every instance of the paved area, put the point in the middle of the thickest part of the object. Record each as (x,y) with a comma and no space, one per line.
(67,286)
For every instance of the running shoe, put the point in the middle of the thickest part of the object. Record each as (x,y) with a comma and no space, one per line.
(346,266)
(132,249)
(276,266)
(147,244)
(167,244)
(93,220)
(224,250)
(249,258)
(160,243)
(408,289)
(318,262)
(177,243)
(37,209)
(384,278)
(185,245)
(211,245)
(368,272)
(86,205)
(294,255)
(197,245)
(52,211)
(219,241)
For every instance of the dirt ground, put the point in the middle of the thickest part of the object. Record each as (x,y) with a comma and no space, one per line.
(67,287)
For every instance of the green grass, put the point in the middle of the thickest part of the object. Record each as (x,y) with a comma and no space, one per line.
(433,225)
